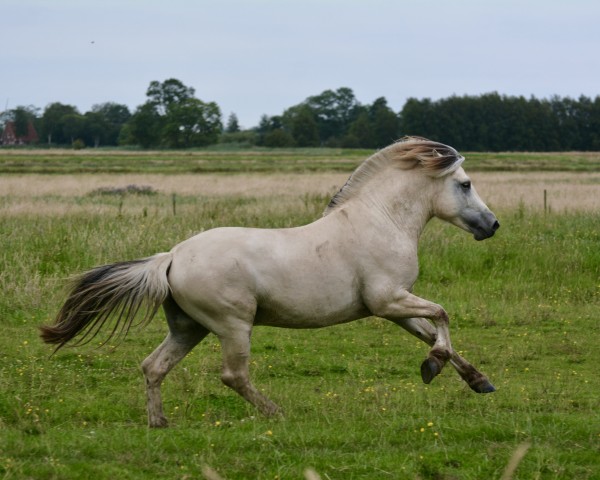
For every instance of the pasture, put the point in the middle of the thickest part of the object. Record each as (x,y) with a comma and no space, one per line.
(523,308)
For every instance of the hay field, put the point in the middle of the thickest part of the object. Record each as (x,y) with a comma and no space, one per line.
(40,193)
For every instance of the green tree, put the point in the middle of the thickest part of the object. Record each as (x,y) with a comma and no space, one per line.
(145,126)
(23,118)
(192,123)
(279,138)
(168,93)
(173,117)
(415,118)
(113,116)
(95,129)
(233,125)
(53,120)
(334,111)
(301,124)
(266,126)
(384,123)
(361,132)
(73,126)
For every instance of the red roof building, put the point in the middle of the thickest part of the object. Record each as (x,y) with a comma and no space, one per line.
(9,135)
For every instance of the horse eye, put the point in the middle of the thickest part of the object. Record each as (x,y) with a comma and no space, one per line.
(466,185)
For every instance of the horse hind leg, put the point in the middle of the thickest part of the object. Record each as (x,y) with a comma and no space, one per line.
(235,347)
(423,330)
(184,334)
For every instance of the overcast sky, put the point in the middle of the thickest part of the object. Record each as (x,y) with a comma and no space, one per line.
(259,57)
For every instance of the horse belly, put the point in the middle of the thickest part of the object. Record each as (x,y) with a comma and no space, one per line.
(310,303)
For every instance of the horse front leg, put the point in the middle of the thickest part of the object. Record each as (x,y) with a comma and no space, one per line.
(423,330)
(404,305)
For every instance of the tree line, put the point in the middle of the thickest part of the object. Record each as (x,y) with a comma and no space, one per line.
(173,117)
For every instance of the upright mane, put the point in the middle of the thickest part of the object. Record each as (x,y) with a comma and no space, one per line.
(436,160)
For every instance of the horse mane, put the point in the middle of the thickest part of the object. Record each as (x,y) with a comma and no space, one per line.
(434,158)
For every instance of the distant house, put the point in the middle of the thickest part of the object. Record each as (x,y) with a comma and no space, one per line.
(9,135)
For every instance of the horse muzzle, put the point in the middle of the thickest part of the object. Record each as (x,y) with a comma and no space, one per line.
(485,227)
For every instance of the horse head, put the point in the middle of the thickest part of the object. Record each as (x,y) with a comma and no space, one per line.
(459,204)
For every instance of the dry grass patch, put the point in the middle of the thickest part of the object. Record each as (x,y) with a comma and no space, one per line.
(54,194)
(565,192)
(248,185)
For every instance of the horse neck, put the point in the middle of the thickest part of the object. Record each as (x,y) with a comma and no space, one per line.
(399,202)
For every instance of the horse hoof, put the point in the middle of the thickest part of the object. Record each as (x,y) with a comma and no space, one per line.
(483,387)
(430,368)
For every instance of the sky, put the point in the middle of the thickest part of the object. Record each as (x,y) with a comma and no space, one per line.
(258,57)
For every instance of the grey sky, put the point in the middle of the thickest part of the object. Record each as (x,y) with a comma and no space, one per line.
(259,57)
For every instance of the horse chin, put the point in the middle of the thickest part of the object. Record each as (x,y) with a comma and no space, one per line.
(480,234)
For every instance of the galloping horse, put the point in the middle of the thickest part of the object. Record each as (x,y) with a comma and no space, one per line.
(359,259)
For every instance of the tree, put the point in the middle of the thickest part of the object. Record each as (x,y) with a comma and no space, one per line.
(24,123)
(24,117)
(384,123)
(73,126)
(278,138)
(360,132)
(415,118)
(334,112)
(170,92)
(145,126)
(96,129)
(112,116)
(233,125)
(53,122)
(192,123)
(173,117)
(301,124)
(266,126)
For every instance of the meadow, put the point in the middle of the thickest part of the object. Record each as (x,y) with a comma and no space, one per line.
(523,308)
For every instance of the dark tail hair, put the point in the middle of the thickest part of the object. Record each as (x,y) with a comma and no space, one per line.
(118,290)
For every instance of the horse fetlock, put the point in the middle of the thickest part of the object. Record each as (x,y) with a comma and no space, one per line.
(433,364)
(270,409)
(158,422)
(441,354)
(234,380)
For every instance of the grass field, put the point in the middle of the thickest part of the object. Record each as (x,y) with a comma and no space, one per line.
(523,306)
(260,160)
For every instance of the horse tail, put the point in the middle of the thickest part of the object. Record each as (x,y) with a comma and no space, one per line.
(119,291)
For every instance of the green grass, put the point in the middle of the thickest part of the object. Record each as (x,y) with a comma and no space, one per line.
(259,160)
(194,161)
(523,305)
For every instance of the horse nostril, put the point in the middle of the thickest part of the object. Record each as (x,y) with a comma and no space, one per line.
(496,225)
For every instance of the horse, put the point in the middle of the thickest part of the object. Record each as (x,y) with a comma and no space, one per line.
(358,260)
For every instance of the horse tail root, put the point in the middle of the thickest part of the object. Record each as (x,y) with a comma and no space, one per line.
(118,291)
